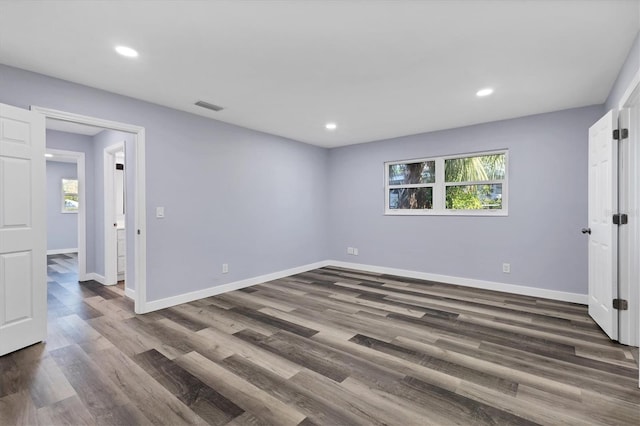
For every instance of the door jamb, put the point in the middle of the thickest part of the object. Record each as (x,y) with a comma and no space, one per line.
(140,239)
(631,93)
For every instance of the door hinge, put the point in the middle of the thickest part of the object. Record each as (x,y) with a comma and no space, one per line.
(620,134)
(620,219)
(620,304)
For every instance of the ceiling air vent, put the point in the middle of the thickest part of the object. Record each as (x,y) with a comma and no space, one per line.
(207,105)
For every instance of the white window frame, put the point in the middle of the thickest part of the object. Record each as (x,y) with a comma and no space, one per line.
(64,209)
(439,188)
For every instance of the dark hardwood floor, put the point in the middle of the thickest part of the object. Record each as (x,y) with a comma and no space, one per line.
(326,347)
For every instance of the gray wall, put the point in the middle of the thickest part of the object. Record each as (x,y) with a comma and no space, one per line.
(540,238)
(80,143)
(626,74)
(62,228)
(262,203)
(232,195)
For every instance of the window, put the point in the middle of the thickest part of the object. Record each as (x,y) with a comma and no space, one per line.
(470,184)
(70,196)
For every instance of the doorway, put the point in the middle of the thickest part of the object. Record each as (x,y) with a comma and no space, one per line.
(115,241)
(135,235)
(77,159)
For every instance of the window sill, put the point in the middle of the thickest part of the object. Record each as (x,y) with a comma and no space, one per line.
(485,213)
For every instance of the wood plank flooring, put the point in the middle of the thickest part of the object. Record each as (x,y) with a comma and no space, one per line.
(327,347)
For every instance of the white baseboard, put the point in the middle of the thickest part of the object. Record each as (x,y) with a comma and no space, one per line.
(130,293)
(154,305)
(468,282)
(62,251)
(95,277)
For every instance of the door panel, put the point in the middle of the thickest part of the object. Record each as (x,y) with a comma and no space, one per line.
(603,242)
(15,192)
(23,306)
(15,285)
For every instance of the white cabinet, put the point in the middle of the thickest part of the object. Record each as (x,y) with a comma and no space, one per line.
(122,253)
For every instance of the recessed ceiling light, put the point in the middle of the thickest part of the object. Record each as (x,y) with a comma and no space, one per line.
(331,126)
(48,155)
(127,51)
(484,92)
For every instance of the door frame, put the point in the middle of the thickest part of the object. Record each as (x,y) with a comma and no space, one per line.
(77,157)
(110,233)
(139,187)
(629,320)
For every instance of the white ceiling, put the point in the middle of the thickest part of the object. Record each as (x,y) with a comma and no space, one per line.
(379,69)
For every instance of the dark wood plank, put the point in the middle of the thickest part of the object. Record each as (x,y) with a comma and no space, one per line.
(213,407)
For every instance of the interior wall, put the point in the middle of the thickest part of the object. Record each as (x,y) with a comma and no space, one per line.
(80,143)
(262,203)
(62,228)
(231,195)
(628,71)
(540,238)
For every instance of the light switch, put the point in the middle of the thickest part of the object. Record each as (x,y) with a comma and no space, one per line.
(160,212)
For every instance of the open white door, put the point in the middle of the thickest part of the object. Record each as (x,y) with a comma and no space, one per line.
(603,239)
(23,280)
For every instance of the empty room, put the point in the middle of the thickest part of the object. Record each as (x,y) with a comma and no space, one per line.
(319,212)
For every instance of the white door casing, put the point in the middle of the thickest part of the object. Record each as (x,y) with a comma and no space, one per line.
(603,240)
(629,234)
(23,280)
(139,243)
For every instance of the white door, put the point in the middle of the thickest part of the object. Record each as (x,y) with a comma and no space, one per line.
(603,240)
(23,279)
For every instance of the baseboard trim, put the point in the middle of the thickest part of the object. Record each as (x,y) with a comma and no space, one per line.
(130,293)
(155,305)
(62,251)
(468,282)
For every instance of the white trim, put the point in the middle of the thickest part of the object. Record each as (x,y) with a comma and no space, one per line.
(630,203)
(95,277)
(140,225)
(130,293)
(635,82)
(154,305)
(468,282)
(62,251)
(77,158)
(465,282)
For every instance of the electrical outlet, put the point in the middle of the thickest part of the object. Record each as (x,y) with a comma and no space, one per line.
(225,268)
(349,250)
(506,268)
(355,251)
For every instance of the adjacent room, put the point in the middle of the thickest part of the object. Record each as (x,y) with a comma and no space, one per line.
(319,212)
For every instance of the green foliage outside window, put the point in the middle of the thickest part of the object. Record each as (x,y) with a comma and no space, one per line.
(474,169)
